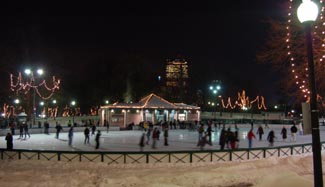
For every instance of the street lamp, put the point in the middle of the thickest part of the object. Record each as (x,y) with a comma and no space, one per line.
(30,73)
(307,13)
(73,103)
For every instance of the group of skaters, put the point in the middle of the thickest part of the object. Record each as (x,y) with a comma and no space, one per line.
(271,135)
(228,138)
(151,132)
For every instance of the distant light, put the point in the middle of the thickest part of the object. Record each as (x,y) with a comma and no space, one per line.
(3,114)
(106,102)
(73,103)
(54,101)
(218,87)
(41,103)
(215,91)
(40,71)
(276,107)
(16,101)
(159,78)
(292,111)
(28,71)
(211,88)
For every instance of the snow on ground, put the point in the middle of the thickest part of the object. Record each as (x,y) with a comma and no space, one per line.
(293,171)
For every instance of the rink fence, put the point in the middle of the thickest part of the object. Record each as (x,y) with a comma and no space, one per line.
(159,157)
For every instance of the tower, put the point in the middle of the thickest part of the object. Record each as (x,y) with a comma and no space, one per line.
(177,79)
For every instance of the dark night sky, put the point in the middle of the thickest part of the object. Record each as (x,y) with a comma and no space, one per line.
(80,42)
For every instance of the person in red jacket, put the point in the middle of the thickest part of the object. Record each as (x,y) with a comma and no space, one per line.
(250,137)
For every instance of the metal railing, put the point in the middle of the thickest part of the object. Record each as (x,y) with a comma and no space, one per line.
(159,157)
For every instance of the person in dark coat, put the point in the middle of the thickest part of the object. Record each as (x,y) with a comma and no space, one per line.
(141,143)
(70,135)
(26,130)
(209,133)
(93,129)
(271,138)
(166,136)
(284,133)
(155,135)
(86,132)
(21,130)
(260,132)
(9,140)
(97,139)
(222,139)
(58,129)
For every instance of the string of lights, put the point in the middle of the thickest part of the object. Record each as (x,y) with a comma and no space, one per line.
(243,102)
(301,77)
(18,84)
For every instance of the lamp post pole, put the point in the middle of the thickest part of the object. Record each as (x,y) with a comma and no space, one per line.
(307,13)
(316,146)
(34,107)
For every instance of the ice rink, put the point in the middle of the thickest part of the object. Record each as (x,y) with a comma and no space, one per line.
(179,139)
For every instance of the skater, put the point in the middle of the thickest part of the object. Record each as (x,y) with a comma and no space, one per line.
(46,127)
(203,141)
(93,129)
(293,130)
(284,134)
(200,131)
(222,139)
(209,133)
(149,129)
(260,132)
(270,138)
(9,140)
(21,130)
(97,139)
(166,136)
(26,130)
(141,143)
(155,135)
(58,128)
(250,137)
(70,135)
(86,133)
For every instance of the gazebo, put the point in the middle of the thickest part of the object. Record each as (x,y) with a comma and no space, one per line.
(151,108)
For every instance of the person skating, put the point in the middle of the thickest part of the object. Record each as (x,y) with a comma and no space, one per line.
(250,137)
(97,139)
(284,134)
(70,135)
(86,133)
(9,140)
(260,132)
(142,142)
(58,128)
(293,130)
(166,136)
(155,135)
(271,138)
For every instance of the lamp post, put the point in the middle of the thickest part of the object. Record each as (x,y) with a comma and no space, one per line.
(307,13)
(73,103)
(215,89)
(29,72)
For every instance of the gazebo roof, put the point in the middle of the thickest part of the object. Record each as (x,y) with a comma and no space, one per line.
(152,101)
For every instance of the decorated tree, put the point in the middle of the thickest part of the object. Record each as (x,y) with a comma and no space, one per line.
(285,49)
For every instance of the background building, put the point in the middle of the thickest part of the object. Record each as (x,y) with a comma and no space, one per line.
(177,79)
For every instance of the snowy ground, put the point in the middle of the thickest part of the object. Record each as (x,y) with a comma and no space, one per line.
(280,172)
(128,140)
(295,171)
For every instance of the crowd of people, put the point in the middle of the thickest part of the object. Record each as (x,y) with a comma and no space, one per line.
(228,134)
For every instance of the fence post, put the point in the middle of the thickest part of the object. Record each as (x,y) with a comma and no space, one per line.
(291,150)
(147,158)
(59,156)
(191,156)
(230,155)
(102,157)
(264,153)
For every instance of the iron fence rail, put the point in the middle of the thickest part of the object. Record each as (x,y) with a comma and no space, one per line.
(158,156)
